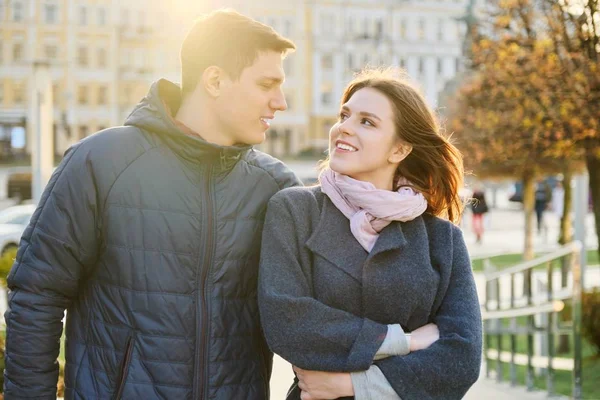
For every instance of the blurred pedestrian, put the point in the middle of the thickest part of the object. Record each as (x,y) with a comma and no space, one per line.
(479,208)
(543,196)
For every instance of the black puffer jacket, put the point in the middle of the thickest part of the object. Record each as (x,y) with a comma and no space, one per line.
(150,239)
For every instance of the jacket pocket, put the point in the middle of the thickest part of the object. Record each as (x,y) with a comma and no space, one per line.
(124,367)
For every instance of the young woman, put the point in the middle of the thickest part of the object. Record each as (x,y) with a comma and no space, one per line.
(365,284)
(479,207)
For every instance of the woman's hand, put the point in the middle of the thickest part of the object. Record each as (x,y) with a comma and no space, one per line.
(318,385)
(424,337)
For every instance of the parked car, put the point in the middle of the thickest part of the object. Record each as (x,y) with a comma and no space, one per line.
(13,221)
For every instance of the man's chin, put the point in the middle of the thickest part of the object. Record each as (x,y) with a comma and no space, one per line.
(256,139)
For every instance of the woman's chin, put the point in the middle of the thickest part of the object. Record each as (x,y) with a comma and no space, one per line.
(339,168)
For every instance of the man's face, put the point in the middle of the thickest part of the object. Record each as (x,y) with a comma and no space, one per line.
(245,107)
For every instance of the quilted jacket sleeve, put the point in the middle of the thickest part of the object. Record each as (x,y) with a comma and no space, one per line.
(57,250)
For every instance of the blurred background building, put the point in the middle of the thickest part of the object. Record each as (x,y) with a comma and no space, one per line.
(105,53)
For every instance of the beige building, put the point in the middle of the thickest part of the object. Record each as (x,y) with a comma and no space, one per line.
(105,53)
(102,55)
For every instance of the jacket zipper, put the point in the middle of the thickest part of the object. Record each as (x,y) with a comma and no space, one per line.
(202,309)
(125,367)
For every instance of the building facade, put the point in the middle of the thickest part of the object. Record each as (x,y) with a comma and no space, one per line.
(101,53)
(423,37)
(104,54)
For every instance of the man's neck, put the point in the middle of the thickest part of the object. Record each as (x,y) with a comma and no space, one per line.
(201,122)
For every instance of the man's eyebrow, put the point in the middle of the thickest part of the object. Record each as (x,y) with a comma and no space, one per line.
(271,79)
(363,113)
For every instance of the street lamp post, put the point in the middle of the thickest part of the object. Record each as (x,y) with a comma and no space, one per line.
(40,125)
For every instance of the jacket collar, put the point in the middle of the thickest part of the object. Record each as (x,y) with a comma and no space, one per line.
(154,114)
(333,240)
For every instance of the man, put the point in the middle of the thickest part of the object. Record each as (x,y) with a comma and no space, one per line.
(149,236)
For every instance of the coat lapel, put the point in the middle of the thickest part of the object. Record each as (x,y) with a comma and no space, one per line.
(333,240)
(390,238)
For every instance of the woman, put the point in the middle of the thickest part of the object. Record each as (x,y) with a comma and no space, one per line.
(350,267)
(479,208)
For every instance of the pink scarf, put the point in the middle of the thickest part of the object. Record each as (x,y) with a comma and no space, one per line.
(370,209)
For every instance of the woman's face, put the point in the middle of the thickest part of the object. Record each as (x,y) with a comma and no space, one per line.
(363,143)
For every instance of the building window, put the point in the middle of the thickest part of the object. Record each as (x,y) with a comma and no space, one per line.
(19,93)
(421,29)
(83,131)
(17,11)
(440,33)
(51,51)
(56,94)
(83,15)
(421,65)
(125,17)
(18,52)
(402,63)
(288,66)
(440,66)
(402,29)
(142,21)
(350,64)
(327,94)
(82,57)
(2,5)
(1,52)
(102,95)
(101,58)
(1,93)
(50,13)
(379,28)
(458,64)
(327,24)
(287,30)
(289,100)
(327,61)
(127,94)
(82,95)
(101,16)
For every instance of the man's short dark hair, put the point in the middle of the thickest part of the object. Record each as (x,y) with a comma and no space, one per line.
(229,40)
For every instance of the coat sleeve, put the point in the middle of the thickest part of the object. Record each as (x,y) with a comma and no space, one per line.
(302,330)
(56,251)
(447,369)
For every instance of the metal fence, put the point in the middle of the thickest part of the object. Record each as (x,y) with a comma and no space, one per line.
(500,314)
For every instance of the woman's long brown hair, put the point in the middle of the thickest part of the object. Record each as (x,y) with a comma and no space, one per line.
(435,165)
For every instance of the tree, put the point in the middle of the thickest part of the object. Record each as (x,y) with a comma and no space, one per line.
(501,116)
(574,28)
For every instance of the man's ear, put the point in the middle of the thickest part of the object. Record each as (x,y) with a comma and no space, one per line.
(400,152)
(212,79)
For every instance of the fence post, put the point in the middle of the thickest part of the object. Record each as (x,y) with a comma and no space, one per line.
(576,311)
(550,333)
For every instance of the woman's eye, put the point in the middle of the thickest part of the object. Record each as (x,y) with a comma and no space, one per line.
(367,121)
(343,116)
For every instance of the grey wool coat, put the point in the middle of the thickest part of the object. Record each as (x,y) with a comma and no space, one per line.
(325,302)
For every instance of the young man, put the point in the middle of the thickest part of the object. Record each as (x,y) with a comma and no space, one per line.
(149,236)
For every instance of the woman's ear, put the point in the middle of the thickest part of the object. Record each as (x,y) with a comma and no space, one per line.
(399,153)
